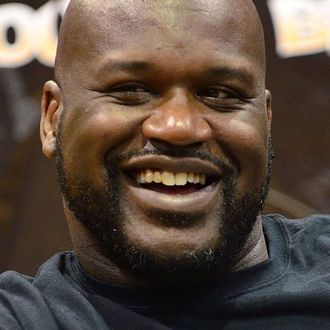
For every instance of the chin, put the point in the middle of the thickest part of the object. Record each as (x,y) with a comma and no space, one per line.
(165,240)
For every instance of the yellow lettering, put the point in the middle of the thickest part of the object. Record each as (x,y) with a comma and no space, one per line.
(18,17)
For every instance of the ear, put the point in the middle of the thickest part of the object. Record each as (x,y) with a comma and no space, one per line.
(51,109)
(269,108)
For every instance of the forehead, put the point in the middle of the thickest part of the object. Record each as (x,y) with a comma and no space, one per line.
(125,21)
(188,30)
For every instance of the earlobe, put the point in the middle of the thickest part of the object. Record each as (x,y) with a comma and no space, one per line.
(51,109)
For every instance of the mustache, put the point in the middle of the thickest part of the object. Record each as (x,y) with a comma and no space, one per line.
(224,165)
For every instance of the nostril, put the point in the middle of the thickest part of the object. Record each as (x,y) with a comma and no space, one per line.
(174,149)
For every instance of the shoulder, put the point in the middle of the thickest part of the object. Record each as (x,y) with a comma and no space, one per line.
(314,225)
(22,297)
(52,299)
(308,239)
(19,299)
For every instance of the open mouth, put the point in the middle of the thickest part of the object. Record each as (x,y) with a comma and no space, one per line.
(173,183)
(171,176)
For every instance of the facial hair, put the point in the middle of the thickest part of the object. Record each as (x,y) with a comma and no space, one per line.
(100,211)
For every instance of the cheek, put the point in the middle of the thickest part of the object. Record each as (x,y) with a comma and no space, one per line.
(89,135)
(246,144)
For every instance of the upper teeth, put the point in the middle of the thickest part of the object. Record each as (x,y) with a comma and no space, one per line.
(169,178)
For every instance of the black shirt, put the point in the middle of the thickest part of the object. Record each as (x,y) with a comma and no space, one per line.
(291,290)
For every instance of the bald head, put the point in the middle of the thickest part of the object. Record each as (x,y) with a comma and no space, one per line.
(174,85)
(91,28)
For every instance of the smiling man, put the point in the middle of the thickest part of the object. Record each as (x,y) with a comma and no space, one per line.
(159,125)
(161,147)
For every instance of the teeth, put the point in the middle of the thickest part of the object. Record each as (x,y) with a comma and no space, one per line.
(191,177)
(197,178)
(140,178)
(181,179)
(149,176)
(203,179)
(157,177)
(169,178)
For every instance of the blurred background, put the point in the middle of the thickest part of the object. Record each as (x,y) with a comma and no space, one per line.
(32,225)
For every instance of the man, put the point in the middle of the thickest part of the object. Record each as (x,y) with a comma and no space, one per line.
(159,125)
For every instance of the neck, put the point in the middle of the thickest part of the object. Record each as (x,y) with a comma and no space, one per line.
(92,257)
(255,250)
(94,261)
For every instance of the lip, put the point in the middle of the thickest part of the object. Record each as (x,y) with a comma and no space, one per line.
(197,202)
(171,164)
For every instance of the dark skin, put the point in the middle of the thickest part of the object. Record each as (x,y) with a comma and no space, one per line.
(194,81)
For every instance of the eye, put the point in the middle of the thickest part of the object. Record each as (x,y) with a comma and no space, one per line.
(131,93)
(220,97)
(216,93)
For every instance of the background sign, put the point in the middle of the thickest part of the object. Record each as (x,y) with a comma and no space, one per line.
(32,225)
(302,27)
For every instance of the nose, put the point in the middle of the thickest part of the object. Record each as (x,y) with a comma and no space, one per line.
(177,122)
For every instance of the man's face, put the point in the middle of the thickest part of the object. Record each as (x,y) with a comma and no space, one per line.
(163,145)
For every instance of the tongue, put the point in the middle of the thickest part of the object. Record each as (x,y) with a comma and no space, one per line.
(173,190)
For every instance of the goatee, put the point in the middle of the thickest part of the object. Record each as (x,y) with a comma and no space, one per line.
(101,210)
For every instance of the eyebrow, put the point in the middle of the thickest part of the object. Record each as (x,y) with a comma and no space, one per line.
(236,73)
(136,66)
(115,66)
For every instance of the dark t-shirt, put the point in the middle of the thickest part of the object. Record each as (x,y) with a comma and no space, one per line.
(291,290)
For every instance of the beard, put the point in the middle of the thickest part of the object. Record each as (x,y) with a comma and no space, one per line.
(101,210)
